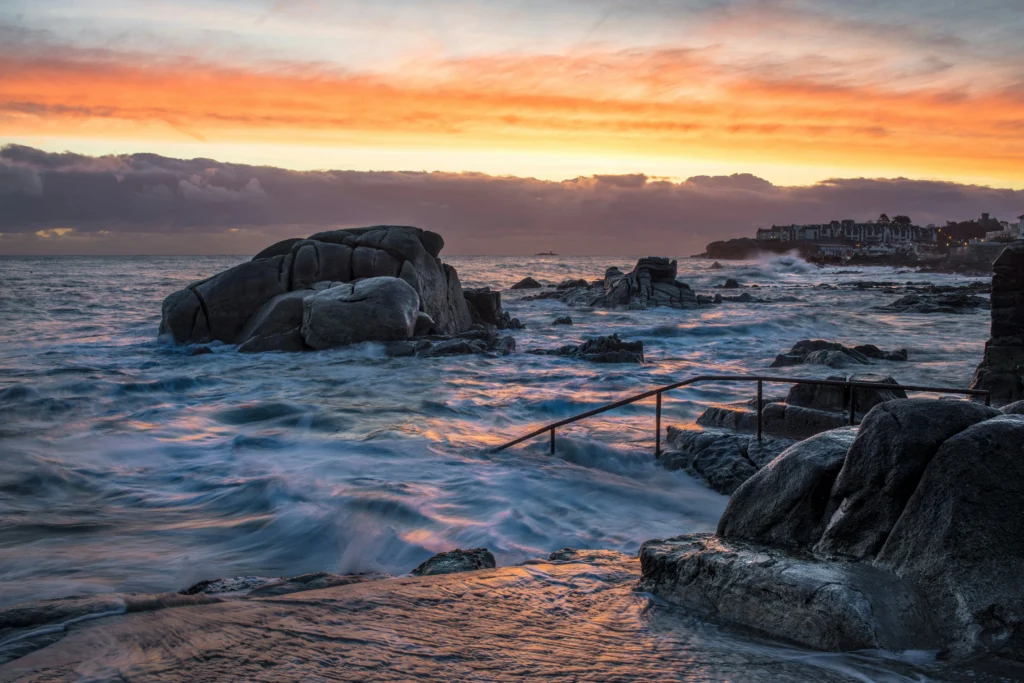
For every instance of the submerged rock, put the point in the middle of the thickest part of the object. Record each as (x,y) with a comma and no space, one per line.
(608,349)
(562,320)
(456,561)
(833,354)
(937,303)
(527,283)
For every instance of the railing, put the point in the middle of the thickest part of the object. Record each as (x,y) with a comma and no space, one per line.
(848,393)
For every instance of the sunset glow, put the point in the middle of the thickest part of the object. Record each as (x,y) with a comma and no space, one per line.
(794,92)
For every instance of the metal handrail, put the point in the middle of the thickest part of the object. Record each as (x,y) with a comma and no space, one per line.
(760,379)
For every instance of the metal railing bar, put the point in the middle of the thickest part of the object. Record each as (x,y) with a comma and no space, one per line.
(760,379)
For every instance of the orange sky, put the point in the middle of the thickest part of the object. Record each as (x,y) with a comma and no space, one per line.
(734,101)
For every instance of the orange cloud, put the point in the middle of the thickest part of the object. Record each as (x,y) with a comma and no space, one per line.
(670,103)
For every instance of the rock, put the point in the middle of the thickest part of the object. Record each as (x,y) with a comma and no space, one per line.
(722,461)
(731,284)
(651,283)
(837,399)
(264,586)
(527,283)
(563,320)
(200,351)
(897,440)
(1014,408)
(608,349)
(937,303)
(220,307)
(375,309)
(961,538)
(276,326)
(716,266)
(783,504)
(703,300)
(823,605)
(833,354)
(1001,372)
(456,561)
(485,308)
(778,419)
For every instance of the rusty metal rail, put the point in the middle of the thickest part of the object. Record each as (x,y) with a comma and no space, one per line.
(760,379)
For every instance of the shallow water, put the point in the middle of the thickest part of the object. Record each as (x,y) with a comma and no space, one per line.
(129,465)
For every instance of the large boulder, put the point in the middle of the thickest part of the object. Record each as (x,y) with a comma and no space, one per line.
(377,309)
(485,309)
(897,440)
(651,283)
(1002,370)
(961,537)
(277,325)
(609,349)
(220,307)
(784,503)
(921,538)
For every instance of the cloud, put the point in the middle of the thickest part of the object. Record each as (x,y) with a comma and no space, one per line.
(145,203)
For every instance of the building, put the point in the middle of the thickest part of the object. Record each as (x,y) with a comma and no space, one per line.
(1008,231)
(853,234)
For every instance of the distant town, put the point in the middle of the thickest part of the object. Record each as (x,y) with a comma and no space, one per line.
(971,243)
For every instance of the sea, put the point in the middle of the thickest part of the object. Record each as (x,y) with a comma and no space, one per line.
(127,464)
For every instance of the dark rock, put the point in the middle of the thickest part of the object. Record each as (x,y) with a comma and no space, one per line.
(563,320)
(527,283)
(276,326)
(731,284)
(200,351)
(833,354)
(716,266)
(703,300)
(651,283)
(837,399)
(784,503)
(824,605)
(220,307)
(1014,408)
(722,461)
(897,440)
(608,349)
(1001,372)
(265,586)
(937,303)
(573,284)
(456,561)
(485,308)
(961,538)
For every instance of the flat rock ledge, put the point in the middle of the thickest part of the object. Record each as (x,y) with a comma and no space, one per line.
(836,606)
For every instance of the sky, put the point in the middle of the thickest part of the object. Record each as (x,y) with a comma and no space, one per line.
(793,96)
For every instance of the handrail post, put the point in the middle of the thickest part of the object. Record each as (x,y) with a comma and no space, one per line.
(853,398)
(657,426)
(760,406)
(552,441)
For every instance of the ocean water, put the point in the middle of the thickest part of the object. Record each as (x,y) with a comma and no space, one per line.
(129,465)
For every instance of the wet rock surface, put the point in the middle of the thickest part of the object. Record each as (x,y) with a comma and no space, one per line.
(908,537)
(608,349)
(651,283)
(527,283)
(959,302)
(834,354)
(722,461)
(485,308)
(1001,372)
(456,561)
